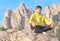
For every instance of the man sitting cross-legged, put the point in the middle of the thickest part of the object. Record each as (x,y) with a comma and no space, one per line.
(37,21)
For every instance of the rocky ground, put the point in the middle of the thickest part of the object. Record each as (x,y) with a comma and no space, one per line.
(24,35)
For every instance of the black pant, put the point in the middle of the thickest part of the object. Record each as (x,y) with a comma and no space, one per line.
(40,29)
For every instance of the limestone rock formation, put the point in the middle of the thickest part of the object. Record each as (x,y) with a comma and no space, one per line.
(53,13)
(16,19)
(47,11)
(29,12)
(20,17)
(7,19)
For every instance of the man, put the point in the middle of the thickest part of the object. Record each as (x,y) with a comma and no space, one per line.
(37,21)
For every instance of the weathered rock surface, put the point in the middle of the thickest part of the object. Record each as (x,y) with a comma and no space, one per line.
(24,35)
(18,18)
(7,19)
(53,13)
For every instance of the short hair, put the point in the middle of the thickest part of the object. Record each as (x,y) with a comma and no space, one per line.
(38,7)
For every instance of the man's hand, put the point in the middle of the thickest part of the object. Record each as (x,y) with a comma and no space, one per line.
(52,25)
(33,24)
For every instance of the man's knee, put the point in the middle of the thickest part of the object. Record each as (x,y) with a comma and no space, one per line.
(38,29)
(47,28)
(32,28)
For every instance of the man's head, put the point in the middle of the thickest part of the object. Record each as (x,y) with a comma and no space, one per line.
(38,9)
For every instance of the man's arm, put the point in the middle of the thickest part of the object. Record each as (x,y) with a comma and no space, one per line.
(31,20)
(33,24)
(48,22)
(52,25)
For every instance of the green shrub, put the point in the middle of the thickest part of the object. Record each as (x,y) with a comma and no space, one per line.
(17,28)
(2,28)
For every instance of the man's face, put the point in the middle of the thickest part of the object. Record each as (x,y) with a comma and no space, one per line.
(38,10)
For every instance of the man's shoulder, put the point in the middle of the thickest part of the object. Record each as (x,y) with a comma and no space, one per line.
(43,16)
(33,14)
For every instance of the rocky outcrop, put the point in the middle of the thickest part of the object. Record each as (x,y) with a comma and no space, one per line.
(53,13)
(16,19)
(24,35)
(47,11)
(7,19)
(56,12)
(19,18)
(29,12)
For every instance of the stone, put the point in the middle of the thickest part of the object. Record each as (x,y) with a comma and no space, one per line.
(7,19)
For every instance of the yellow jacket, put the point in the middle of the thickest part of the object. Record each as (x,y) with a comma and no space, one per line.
(39,19)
